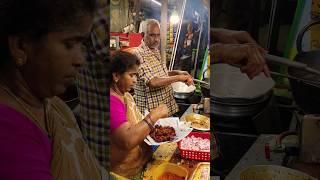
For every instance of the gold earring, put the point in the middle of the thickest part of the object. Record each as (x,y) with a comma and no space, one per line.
(21,61)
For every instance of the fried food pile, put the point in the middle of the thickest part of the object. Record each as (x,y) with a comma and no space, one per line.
(163,133)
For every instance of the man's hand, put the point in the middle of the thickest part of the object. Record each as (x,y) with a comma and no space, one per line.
(230,36)
(238,48)
(186,79)
(178,72)
(189,80)
(248,56)
(182,76)
(183,72)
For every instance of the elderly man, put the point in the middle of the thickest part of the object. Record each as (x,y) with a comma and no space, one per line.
(154,80)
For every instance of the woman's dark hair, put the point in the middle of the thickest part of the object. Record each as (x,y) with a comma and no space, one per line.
(122,61)
(36,18)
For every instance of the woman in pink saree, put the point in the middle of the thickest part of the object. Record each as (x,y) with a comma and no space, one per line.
(128,152)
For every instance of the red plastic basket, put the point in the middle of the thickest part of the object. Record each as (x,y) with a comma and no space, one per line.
(196,155)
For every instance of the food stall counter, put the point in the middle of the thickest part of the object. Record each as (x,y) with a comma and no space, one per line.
(170,153)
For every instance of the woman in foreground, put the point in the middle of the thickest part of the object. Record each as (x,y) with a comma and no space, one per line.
(40,54)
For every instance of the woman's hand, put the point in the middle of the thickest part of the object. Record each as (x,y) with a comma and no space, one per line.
(161,111)
(128,136)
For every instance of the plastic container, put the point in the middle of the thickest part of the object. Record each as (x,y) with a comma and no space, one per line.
(196,155)
(171,168)
(202,172)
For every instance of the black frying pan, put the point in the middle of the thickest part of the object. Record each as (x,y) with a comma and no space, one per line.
(306,95)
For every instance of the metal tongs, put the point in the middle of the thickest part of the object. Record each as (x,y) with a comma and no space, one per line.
(294,64)
(284,61)
(298,65)
(199,81)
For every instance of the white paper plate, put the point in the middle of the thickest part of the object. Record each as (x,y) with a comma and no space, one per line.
(198,128)
(202,129)
(182,131)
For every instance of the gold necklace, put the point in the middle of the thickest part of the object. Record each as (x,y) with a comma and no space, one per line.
(116,90)
(122,96)
(30,113)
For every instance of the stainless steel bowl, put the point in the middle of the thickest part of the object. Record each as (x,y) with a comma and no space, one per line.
(182,91)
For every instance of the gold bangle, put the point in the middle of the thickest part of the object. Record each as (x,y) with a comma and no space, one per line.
(148,123)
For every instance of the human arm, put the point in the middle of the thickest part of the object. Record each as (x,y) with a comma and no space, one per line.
(156,77)
(154,81)
(128,136)
(157,82)
(177,72)
(226,36)
(189,80)
(238,48)
(247,56)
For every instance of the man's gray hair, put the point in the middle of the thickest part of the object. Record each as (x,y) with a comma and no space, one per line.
(146,23)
